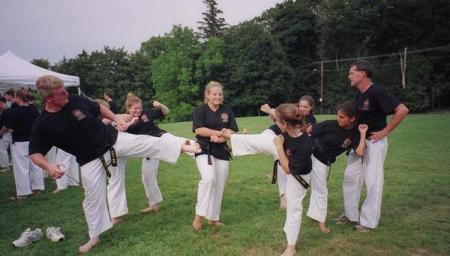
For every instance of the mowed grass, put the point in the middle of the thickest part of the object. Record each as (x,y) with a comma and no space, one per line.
(415,214)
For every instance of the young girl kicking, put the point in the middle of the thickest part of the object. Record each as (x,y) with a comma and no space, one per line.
(294,149)
(141,123)
(331,138)
(245,144)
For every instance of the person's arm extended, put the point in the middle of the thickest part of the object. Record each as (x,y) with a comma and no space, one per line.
(120,120)
(42,162)
(400,113)
(164,109)
(284,162)
(362,139)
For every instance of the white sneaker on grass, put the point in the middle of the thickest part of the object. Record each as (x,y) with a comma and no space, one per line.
(55,234)
(27,237)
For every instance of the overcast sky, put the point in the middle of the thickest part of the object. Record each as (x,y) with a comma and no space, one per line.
(52,29)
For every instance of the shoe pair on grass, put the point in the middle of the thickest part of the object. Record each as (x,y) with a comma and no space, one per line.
(30,236)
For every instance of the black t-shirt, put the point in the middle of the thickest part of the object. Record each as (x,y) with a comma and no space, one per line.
(310,120)
(20,119)
(298,151)
(331,140)
(145,124)
(215,120)
(74,129)
(375,104)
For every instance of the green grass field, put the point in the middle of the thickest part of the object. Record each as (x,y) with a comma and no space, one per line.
(415,215)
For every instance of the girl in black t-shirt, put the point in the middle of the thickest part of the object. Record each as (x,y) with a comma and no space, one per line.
(212,163)
(142,123)
(306,105)
(294,149)
(28,176)
(332,138)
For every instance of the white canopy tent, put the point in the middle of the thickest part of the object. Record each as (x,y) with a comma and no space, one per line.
(16,72)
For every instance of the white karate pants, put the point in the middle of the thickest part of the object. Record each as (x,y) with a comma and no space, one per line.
(27,175)
(250,144)
(69,165)
(4,159)
(319,191)
(211,186)
(117,197)
(149,179)
(371,172)
(295,193)
(93,175)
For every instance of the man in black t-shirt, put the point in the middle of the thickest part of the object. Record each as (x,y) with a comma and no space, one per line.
(374,103)
(71,123)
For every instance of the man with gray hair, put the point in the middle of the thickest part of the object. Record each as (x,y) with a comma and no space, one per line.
(71,123)
(374,104)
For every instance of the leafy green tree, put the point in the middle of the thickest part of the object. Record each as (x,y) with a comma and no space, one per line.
(43,63)
(212,25)
(173,73)
(293,23)
(256,68)
(209,66)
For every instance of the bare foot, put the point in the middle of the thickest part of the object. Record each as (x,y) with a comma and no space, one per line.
(154,208)
(215,223)
(324,228)
(290,251)
(189,148)
(116,220)
(283,203)
(56,191)
(197,224)
(88,246)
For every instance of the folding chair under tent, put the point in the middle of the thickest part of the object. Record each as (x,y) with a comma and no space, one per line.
(16,72)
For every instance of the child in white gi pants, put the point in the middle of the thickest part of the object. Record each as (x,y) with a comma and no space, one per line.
(294,150)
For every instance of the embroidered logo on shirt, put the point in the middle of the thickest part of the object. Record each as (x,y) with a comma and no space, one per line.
(224,117)
(366,105)
(288,153)
(78,114)
(347,142)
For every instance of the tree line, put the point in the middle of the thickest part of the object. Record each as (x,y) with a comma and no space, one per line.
(275,57)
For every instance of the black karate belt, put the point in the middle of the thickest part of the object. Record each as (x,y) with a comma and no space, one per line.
(301,180)
(274,171)
(113,162)
(209,154)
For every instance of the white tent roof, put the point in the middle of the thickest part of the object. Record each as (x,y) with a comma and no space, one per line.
(16,72)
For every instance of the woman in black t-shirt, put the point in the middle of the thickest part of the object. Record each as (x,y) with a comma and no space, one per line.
(212,163)
(28,176)
(142,123)
(294,149)
(332,138)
